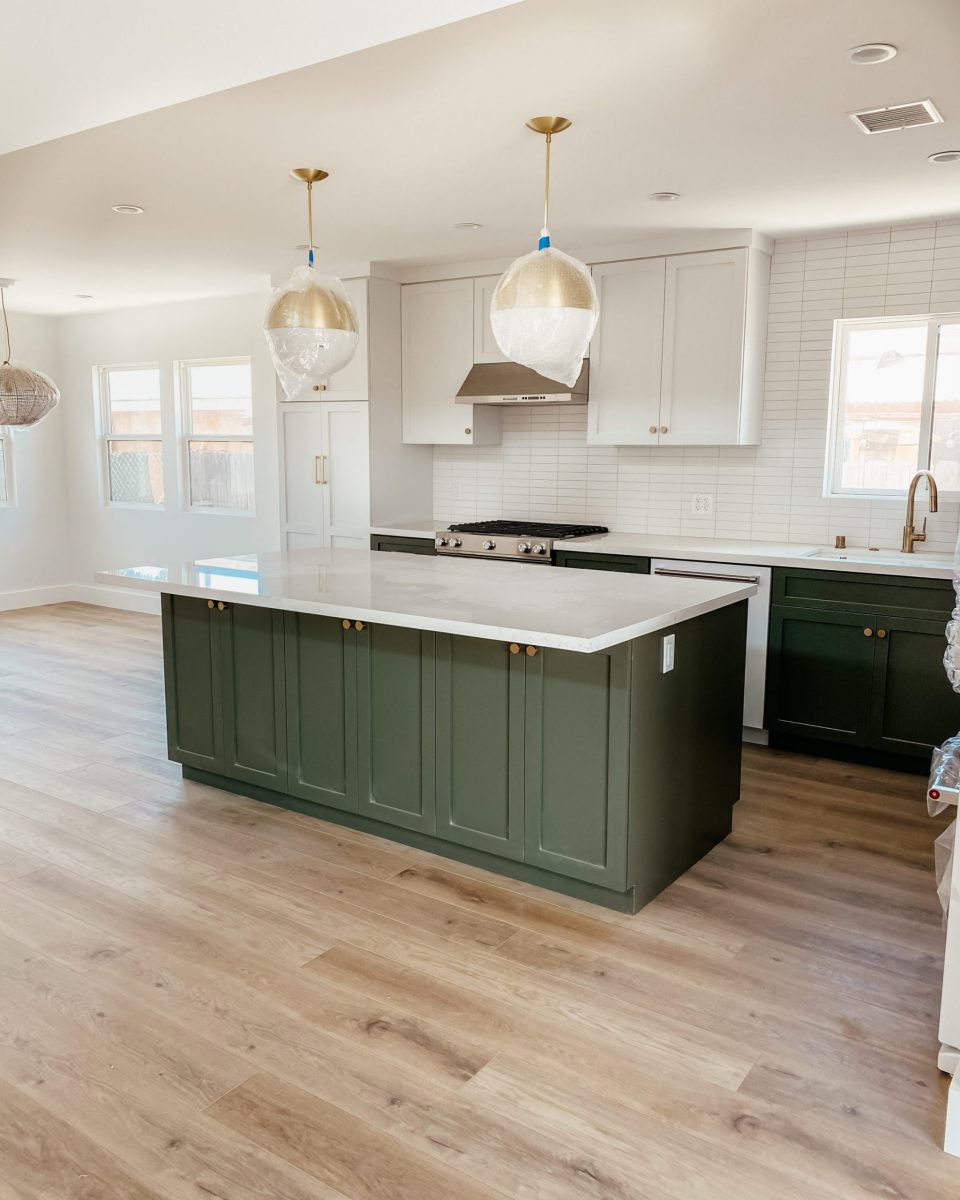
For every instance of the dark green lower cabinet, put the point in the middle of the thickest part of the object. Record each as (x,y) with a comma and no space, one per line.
(321,692)
(480,738)
(576,764)
(223,674)
(861,677)
(396,726)
(820,674)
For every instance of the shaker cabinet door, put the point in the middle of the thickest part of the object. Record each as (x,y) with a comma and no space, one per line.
(480,735)
(253,702)
(193,682)
(576,752)
(914,706)
(396,717)
(321,688)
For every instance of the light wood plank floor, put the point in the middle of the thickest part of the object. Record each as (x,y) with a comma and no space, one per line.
(201,996)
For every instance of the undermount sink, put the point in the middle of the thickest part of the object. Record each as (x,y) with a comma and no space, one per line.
(883,557)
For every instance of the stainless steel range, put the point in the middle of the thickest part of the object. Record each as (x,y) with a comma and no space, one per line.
(524,540)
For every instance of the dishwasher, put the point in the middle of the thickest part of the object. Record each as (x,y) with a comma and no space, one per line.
(758,621)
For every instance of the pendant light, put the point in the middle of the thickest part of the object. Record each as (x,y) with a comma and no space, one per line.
(544,309)
(26,396)
(311,326)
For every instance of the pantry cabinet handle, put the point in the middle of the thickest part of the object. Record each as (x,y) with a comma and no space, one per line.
(704,575)
(319,468)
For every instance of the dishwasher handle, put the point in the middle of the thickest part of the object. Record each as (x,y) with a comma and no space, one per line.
(704,575)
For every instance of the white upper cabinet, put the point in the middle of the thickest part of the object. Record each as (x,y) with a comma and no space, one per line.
(688,372)
(485,348)
(352,382)
(437,325)
(626,353)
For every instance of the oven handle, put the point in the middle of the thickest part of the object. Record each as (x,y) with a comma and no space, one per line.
(700,575)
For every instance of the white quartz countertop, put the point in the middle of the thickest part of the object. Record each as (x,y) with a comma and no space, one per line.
(513,602)
(921,564)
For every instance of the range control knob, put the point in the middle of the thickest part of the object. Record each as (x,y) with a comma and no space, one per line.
(539,548)
(488,545)
(523,547)
(455,543)
(440,542)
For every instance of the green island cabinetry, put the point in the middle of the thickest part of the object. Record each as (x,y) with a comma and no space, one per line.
(856,660)
(565,769)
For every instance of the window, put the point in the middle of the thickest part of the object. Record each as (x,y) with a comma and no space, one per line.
(6,467)
(217,398)
(895,405)
(133,449)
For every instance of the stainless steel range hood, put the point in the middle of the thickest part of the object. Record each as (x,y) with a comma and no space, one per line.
(509,383)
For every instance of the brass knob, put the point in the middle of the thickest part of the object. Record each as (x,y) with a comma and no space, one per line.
(514,648)
(221,605)
(345,623)
(653,429)
(868,632)
(358,625)
(209,604)
(663,429)
(468,430)
(881,633)
(531,651)
(319,387)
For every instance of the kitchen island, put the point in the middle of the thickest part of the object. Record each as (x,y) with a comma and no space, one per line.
(568,728)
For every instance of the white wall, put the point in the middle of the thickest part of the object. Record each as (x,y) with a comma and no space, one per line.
(34,540)
(102,536)
(544,467)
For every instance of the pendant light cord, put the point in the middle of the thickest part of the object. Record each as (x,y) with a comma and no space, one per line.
(310,222)
(6,324)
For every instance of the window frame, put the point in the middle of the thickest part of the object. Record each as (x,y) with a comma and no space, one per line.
(105,435)
(9,498)
(932,322)
(185,434)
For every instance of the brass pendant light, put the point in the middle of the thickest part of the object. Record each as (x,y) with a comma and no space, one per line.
(26,396)
(310,326)
(544,309)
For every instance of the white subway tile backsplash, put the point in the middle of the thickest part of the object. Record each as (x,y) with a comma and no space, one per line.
(544,468)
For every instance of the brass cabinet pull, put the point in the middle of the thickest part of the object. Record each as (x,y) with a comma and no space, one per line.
(868,632)
(221,605)
(319,468)
(653,429)
(531,651)
(345,623)
(210,604)
(881,633)
(663,429)
(358,625)
(514,648)
(468,431)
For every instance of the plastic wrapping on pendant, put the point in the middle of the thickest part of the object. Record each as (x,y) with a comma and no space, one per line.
(951,656)
(311,329)
(543,313)
(944,773)
(943,851)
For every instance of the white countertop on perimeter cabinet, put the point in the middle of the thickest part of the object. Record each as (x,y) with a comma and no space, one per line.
(514,602)
(921,564)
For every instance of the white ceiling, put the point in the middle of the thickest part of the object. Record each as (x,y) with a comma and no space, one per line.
(740,105)
(67,65)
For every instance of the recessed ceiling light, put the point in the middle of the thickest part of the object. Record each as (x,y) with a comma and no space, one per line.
(664,196)
(468,225)
(944,156)
(129,210)
(871,53)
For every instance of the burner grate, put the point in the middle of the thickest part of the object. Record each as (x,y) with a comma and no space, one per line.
(539,529)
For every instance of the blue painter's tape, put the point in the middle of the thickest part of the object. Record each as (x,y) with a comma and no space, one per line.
(310,258)
(544,242)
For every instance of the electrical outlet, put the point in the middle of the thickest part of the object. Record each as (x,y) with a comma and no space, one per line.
(702,503)
(669,645)
(457,491)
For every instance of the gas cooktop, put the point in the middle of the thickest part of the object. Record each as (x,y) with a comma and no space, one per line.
(505,539)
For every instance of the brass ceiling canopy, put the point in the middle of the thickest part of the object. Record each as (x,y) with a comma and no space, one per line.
(309,175)
(548,126)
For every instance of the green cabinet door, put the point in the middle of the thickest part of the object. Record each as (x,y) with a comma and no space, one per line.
(321,690)
(192,682)
(576,764)
(914,706)
(820,673)
(480,735)
(396,726)
(252,694)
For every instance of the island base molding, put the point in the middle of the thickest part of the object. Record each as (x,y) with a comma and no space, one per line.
(626,902)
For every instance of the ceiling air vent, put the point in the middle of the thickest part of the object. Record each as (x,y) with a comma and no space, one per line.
(897,116)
